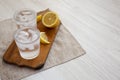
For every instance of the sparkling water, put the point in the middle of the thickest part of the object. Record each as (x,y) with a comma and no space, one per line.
(28,42)
(25,18)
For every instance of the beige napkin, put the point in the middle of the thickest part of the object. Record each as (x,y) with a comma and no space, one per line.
(65,48)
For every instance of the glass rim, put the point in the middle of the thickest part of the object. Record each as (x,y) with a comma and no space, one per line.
(17,31)
(18,11)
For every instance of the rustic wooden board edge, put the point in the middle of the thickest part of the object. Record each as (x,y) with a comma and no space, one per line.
(38,67)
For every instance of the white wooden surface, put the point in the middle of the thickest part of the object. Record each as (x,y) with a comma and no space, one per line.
(96,26)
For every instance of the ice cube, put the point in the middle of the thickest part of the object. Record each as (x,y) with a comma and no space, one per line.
(24,33)
(21,46)
(34,37)
(31,31)
(22,38)
(31,47)
(26,12)
(23,18)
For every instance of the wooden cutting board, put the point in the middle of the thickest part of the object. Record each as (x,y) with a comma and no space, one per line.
(12,55)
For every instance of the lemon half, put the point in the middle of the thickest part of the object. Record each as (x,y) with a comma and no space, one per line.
(50,19)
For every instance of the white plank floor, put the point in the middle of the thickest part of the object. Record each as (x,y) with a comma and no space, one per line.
(96,26)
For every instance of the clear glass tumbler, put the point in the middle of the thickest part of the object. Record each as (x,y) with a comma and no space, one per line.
(28,42)
(25,18)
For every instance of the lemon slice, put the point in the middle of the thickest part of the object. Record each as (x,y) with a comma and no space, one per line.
(44,38)
(50,20)
(39,17)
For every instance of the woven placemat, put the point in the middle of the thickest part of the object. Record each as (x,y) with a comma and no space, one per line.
(65,48)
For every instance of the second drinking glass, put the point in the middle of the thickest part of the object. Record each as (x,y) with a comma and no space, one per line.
(25,18)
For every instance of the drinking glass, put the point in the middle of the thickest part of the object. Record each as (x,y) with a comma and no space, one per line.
(25,18)
(28,42)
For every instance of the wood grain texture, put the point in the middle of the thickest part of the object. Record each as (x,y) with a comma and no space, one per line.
(96,26)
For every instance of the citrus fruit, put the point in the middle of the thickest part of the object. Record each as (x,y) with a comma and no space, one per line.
(39,17)
(50,19)
(44,38)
